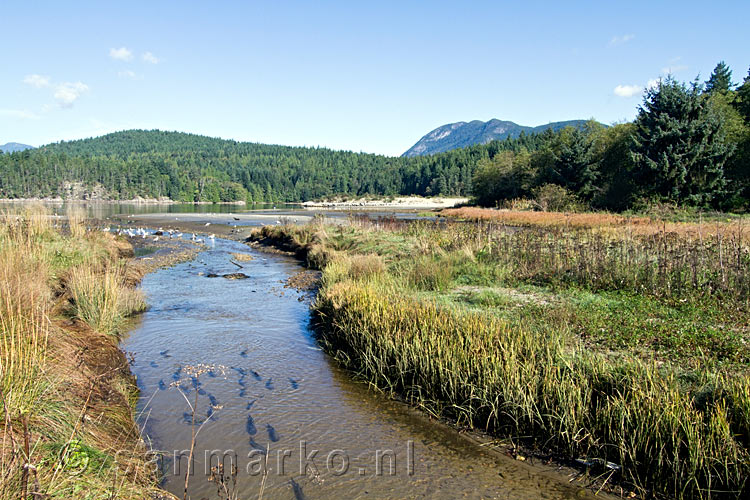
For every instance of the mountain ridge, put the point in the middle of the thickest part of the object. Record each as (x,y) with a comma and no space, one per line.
(14,147)
(461,134)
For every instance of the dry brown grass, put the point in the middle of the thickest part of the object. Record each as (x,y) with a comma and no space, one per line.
(65,385)
(242,257)
(637,226)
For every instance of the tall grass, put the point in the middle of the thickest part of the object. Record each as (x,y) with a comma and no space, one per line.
(24,324)
(62,387)
(687,440)
(101,298)
(661,428)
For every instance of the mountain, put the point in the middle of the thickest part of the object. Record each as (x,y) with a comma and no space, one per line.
(461,134)
(13,147)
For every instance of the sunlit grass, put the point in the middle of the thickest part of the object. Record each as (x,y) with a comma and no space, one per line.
(66,403)
(101,298)
(628,346)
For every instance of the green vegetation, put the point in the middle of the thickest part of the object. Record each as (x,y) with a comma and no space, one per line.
(67,423)
(620,343)
(689,146)
(186,167)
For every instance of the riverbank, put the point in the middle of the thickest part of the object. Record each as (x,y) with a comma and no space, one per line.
(68,427)
(608,348)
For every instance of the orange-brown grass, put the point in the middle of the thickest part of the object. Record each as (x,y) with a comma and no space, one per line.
(641,226)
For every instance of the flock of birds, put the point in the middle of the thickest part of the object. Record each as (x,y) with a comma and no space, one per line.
(170,233)
(157,233)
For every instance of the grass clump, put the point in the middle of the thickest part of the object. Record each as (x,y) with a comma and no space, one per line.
(430,274)
(101,299)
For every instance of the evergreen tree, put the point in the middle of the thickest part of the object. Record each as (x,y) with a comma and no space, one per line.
(678,147)
(720,80)
(567,163)
(743,98)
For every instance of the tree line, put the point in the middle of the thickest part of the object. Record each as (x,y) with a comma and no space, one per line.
(689,146)
(188,167)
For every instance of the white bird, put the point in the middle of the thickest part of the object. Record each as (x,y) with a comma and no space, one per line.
(106,229)
(156,239)
(207,224)
(211,237)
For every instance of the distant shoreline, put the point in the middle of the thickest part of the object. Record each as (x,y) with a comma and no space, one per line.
(411,202)
(362,203)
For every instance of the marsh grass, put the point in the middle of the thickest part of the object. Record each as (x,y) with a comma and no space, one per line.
(499,329)
(101,297)
(66,429)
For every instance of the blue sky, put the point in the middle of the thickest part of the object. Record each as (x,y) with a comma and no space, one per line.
(361,76)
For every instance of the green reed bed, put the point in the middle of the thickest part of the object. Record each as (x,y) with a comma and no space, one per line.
(678,436)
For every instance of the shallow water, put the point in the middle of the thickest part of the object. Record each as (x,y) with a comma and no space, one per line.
(279,390)
(102,210)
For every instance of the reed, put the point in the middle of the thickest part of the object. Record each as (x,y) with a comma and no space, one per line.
(101,298)
(674,429)
(644,226)
(66,427)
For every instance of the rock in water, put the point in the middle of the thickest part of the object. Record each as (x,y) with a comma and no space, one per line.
(236,276)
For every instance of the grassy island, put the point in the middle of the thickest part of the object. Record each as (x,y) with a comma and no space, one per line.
(620,344)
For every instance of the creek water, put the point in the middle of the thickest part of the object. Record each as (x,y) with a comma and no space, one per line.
(278,391)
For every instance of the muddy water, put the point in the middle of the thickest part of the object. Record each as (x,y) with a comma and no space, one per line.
(279,392)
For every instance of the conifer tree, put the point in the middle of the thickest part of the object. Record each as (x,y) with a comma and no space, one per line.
(720,80)
(678,149)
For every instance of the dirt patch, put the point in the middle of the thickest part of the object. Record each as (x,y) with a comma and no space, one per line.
(235,276)
(151,255)
(304,281)
(511,294)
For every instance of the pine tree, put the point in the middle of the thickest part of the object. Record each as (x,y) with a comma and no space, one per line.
(679,150)
(720,80)
(743,98)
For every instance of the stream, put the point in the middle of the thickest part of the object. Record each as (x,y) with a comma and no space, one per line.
(266,385)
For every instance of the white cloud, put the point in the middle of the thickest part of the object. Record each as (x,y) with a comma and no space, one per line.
(150,58)
(37,81)
(619,40)
(127,74)
(21,114)
(627,90)
(68,93)
(65,93)
(121,54)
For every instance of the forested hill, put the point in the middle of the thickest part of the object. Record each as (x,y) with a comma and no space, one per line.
(188,167)
(462,134)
